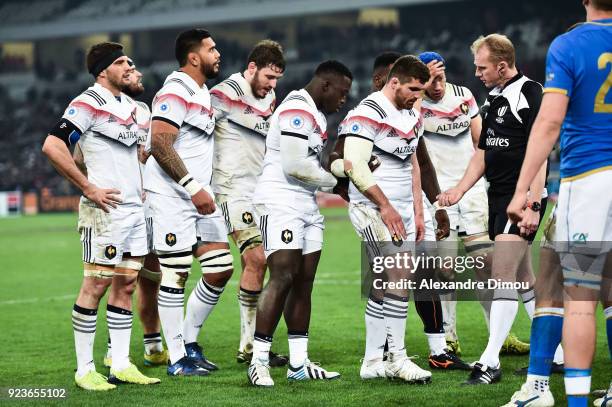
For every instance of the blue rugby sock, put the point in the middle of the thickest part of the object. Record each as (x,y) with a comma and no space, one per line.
(608,313)
(577,386)
(546,329)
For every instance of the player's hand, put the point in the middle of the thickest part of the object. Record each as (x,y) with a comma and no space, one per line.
(102,197)
(516,207)
(419,227)
(529,224)
(203,202)
(392,219)
(450,197)
(374,163)
(443,229)
(435,68)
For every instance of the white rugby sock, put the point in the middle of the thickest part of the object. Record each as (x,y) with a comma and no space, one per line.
(395,311)
(248,311)
(503,312)
(261,348)
(109,348)
(170,305)
(153,343)
(449,315)
(84,327)
(298,348)
(119,322)
(376,334)
(437,343)
(539,383)
(201,302)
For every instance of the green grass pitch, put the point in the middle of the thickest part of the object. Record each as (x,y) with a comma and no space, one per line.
(40,273)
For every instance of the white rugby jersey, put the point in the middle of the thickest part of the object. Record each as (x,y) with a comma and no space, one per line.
(143,118)
(447,133)
(296,116)
(186,106)
(240,136)
(109,133)
(395,134)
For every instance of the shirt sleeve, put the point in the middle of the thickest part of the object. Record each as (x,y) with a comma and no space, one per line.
(358,126)
(81,115)
(532,92)
(559,67)
(170,108)
(296,123)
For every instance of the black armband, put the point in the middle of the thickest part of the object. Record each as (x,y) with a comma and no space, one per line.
(66,131)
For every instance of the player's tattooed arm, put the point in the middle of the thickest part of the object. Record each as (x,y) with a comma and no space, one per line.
(162,149)
(79,160)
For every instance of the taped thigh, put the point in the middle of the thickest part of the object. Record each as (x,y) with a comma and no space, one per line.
(216,261)
(247,239)
(98,271)
(478,244)
(150,275)
(175,268)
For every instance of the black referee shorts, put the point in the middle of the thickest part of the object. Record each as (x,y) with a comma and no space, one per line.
(498,219)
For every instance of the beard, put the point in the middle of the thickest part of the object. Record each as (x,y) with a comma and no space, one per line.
(255,86)
(208,70)
(133,90)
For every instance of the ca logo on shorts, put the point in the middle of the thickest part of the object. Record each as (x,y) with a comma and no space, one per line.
(170,239)
(110,252)
(247,217)
(287,236)
(397,240)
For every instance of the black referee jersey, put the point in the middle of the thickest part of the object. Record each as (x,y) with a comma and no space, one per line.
(508,115)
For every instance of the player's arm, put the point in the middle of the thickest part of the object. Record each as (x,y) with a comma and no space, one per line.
(429,184)
(295,162)
(357,151)
(473,173)
(418,203)
(163,136)
(64,134)
(79,160)
(544,135)
(475,129)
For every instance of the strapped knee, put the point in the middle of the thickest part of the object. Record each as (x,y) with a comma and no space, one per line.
(216,261)
(175,268)
(154,276)
(129,267)
(479,245)
(98,271)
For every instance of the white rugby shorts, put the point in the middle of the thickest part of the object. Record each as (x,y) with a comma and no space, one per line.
(105,237)
(283,227)
(177,225)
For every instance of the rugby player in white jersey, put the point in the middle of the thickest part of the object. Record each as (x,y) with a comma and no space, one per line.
(111,215)
(386,205)
(185,219)
(243,103)
(289,218)
(149,275)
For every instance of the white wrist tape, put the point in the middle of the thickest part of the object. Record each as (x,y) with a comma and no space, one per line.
(190,184)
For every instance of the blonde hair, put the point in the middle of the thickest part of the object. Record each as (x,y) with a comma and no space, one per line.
(500,48)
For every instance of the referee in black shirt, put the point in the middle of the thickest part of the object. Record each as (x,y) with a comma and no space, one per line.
(508,114)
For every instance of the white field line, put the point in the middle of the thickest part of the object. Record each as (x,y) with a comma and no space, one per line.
(320,280)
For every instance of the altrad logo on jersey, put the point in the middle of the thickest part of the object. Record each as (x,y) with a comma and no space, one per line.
(287,236)
(452,126)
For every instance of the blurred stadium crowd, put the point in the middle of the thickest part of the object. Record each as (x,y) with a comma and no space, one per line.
(447,28)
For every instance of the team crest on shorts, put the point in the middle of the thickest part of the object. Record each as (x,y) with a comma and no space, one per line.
(170,239)
(247,218)
(287,236)
(465,108)
(110,252)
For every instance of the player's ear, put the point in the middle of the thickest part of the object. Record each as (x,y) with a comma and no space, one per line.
(501,68)
(252,67)
(192,57)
